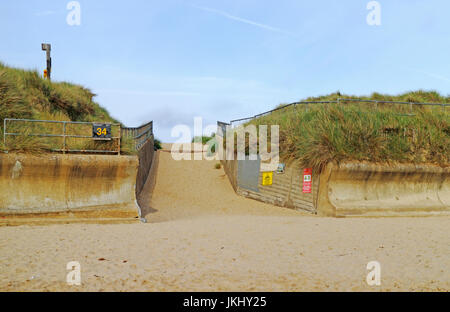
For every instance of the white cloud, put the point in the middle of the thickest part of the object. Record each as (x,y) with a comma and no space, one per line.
(245,21)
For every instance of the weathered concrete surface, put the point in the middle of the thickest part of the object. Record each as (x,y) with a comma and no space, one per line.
(367,189)
(67,188)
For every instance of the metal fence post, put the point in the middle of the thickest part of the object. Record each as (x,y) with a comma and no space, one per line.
(120,136)
(64,137)
(4,132)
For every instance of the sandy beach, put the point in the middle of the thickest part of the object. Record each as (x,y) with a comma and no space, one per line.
(201,236)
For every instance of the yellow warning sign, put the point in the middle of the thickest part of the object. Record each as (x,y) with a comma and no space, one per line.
(267,178)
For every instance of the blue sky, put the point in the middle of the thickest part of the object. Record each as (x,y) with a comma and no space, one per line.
(171,60)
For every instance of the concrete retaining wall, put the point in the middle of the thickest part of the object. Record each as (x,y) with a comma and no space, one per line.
(72,188)
(357,190)
(68,186)
(366,189)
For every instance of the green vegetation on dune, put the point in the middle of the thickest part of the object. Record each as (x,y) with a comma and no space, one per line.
(25,94)
(209,141)
(157,144)
(204,139)
(317,134)
(419,96)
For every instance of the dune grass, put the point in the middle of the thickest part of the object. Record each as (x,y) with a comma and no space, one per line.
(204,139)
(209,141)
(317,134)
(157,144)
(26,95)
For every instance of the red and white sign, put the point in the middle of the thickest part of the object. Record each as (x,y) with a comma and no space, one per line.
(307,180)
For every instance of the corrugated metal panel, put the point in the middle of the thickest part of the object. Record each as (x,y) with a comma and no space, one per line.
(286,190)
(248,174)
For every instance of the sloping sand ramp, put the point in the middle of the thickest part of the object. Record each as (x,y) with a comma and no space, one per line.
(193,188)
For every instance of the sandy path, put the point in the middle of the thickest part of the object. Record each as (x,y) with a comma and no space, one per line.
(198,189)
(202,237)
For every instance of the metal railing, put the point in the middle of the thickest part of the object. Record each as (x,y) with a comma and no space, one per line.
(341,101)
(140,135)
(64,135)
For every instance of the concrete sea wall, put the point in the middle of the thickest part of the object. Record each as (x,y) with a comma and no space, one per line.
(350,189)
(67,187)
(355,189)
(368,189)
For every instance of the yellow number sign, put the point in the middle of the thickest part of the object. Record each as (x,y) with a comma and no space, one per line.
(267,178)
(101,131)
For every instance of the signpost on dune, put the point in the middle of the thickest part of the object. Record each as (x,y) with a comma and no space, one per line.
(47,48)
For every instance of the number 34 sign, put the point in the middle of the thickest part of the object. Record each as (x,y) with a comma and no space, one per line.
(101,131)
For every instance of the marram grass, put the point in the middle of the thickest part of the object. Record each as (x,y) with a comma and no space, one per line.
(317,134)
(24,94)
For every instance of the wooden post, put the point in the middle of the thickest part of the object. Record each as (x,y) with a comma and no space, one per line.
(47,48)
